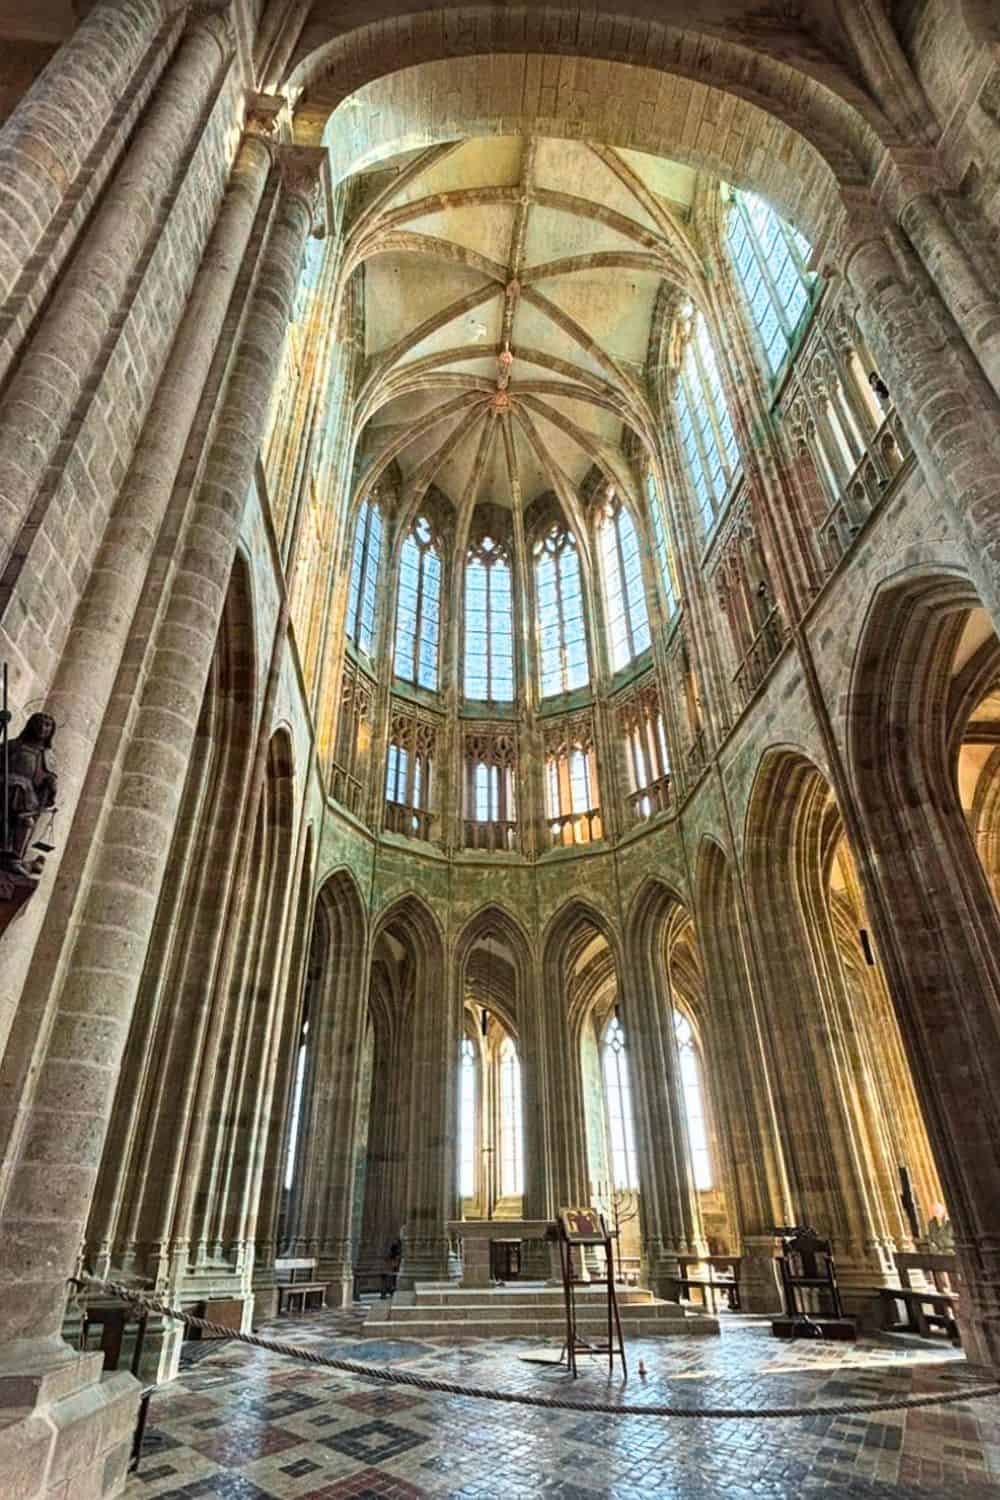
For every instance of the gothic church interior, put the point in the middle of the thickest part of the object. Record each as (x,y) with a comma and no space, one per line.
(499,608)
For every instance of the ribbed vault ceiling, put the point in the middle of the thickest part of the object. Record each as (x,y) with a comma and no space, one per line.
(509,289)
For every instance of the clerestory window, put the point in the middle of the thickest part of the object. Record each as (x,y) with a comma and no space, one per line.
(418,609)
(562,635)
(489,624)
(364,577)
(664,552)
(770,259)
(705,426)
(626,618)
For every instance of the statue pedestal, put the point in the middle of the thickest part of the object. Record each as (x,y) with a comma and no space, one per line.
(16,888)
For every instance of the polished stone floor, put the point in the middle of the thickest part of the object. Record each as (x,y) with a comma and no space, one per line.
(248,1426)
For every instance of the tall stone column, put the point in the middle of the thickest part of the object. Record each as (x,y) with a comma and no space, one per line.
(969,298)
(41,398)
(667,1194)
(47,141)
(947,409)
(431,1165)
(569,1179)
(84,682)
(56,1153)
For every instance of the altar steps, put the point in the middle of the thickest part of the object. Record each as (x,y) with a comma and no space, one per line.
(438,1311)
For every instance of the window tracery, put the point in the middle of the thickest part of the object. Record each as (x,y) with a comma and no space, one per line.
(694,1102)
(704,424)
(490,806)
(365,561)
(618,1105)
(743,586)
(643,731)
(489,623)
(418,607)
(409,774)
(572,804)
(562,634)
(626,617)
(353,738)
(770,259)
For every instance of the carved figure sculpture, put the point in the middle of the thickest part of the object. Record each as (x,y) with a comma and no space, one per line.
(31,787)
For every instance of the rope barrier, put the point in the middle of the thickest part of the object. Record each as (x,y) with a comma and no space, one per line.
(518,1398)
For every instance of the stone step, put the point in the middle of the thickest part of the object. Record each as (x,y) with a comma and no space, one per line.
(504,1313)
(592,1325)
(432,1295)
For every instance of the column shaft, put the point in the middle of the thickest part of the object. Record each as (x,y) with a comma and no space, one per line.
(47,142)
(59,1151)
(40,403)
(85,679)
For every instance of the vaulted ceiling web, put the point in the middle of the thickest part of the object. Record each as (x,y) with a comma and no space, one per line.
(509,290)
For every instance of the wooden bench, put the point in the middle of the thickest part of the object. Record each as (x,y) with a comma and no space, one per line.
(712,1287)
(928,1309)
(296,1283)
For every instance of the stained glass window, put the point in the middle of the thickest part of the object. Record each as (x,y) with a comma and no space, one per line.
(562,635)
(511,1168)
(694,1104)
(618,1104)
(364,577)
(489,625)
(418,610)
(624,595)
(770,259)
(706,429)
(467,1120)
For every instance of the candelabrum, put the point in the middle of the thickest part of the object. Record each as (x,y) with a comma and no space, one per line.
(619,1207)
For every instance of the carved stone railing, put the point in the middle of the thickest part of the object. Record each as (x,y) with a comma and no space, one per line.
(347,790)
(493,835)
(650,800)
(864,491)
(412,822)
(763,652)
(569,829)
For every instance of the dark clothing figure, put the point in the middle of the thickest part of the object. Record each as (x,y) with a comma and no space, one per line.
(31,786)
(393,1258)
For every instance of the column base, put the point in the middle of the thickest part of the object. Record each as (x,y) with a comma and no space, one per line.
(424,1259)
(65,1429)
(760,1278)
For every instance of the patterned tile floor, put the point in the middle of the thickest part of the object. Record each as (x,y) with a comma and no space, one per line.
(243,1425)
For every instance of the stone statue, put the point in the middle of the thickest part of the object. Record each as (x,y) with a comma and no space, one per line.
(30,789)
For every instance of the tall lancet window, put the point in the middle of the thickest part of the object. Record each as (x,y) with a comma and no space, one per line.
(511,1159)
(618,1104)
(418,610)
(562,635)
(364,577)
(624,595)
(664,551)
(489,624)
(467,1120)
(770,259)
(295,1118)
(706,429)
(694,1102)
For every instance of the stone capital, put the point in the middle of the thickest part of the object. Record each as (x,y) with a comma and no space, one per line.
(862,221)
(905,173)
(265,117)
(305,173)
